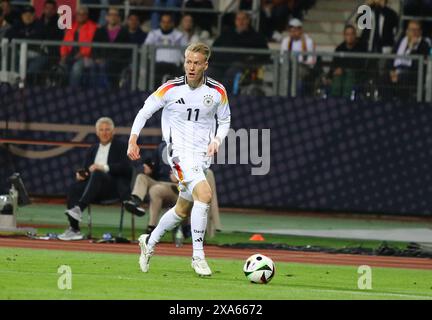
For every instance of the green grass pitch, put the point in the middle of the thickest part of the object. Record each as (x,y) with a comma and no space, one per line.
(33,274)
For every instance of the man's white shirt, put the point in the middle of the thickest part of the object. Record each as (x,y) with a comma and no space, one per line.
(102,156)
(188,116)
(174,38)
(301,45)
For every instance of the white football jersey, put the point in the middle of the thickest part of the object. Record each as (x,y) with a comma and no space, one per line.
(188,115)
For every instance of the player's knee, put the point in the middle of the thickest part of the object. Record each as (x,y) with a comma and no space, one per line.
(181,212)
(205,196)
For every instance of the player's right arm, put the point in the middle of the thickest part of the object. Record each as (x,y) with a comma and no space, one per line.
(152,104)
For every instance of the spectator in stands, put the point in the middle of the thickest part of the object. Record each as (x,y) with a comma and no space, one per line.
(99,14)
(157,181)
(136,35)
(168,61)
(205,21)
(299,41)
(385,22)
(48,21)
(28,28)
(4,26)
(156,15)
(109,62)
(106,175)
(191,32)
(231,64)
(276,14)
(76,59)
(10,14)
(144,16)
(345,71)
(403,74)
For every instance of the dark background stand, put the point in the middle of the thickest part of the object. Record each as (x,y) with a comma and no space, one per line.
(7,166)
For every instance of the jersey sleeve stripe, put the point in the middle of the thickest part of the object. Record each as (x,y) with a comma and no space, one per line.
(162,90)
(217,86)
(223,94)
(168,85)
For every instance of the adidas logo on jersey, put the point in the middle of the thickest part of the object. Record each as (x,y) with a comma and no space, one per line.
(180,101)
(199,239)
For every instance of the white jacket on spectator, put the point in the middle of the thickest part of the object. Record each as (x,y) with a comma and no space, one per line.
(175,38)
(302,45)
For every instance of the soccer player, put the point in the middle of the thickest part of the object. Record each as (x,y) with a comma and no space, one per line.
(189,104)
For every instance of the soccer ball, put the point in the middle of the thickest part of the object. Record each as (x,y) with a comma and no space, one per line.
(259,268)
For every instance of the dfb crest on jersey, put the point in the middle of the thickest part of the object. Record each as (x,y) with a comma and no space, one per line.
(208,100)
(195,169)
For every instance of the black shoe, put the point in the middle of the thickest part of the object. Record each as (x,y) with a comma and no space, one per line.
(133,205)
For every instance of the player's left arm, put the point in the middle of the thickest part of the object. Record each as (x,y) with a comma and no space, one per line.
(152,104)
(224,121)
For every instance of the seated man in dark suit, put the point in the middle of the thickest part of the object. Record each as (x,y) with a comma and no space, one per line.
(106,175)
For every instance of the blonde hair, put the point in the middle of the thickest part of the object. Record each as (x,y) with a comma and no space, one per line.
(201,48)
(104,120)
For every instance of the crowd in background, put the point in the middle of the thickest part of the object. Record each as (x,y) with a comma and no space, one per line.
(280,22)
(397,77)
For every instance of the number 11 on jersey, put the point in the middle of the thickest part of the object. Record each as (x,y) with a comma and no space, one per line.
(189,110)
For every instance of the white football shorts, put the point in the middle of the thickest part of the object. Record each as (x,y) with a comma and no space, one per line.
(189,171)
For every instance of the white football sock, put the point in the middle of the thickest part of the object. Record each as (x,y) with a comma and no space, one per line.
(198,226)
(168,222)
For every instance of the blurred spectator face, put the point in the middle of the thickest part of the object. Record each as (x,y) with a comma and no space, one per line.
(291,3)
(242,22)
(105,133)
(82,16)
(350,36)
(414,30)
(6,6)
(28,18)
(50,10)
(113,17)
(187,23)
(166,23)
(382,3)
(133,22)
(296,32)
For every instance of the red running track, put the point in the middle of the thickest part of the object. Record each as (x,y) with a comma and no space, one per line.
(166,249)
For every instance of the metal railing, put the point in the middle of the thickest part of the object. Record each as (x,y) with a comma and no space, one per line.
(252,72)
(20,49)
(375,69)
